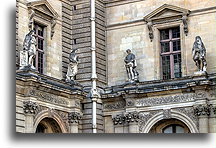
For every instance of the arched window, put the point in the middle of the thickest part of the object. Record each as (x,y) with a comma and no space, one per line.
(174,128)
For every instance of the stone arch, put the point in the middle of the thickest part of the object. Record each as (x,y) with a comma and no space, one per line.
(46,114)
(175,115)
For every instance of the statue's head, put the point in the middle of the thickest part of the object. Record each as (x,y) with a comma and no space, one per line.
(128,51)
(198,40)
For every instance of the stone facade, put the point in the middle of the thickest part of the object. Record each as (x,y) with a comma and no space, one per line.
(46,103)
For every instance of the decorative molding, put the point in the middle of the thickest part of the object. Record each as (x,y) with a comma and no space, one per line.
(165,100)
(131,117)
(202,110)
(74,117)
(164,14)
(30,107)
(144,117)
(118,119)
(189,111)
(49,98)
(115,106)
(127,117)
(167,114)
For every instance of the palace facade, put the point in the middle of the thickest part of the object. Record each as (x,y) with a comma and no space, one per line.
(171,96)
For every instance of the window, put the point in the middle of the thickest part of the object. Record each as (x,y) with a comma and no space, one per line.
(173,129)
(39,34)
(171,53)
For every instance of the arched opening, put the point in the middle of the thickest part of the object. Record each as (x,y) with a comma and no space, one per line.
(169,126)
(48,125)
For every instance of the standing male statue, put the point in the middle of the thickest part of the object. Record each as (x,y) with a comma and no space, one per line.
(199,54)
(130,64)
(72,66)
(28,53)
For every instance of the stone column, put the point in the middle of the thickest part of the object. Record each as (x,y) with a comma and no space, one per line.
(132,119)
(30,109)
(203,112)
(118,122)
(73,120)
(212,120)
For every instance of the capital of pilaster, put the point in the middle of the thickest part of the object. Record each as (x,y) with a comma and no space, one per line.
(30,107)
(74,117)
(202,110)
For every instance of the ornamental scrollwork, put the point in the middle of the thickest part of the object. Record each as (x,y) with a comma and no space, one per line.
(30,107)
(74,117)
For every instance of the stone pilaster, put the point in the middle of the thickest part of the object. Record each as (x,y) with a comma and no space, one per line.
(73,120)
(30,109)
(132,119)
(212,119)
(118,122)
(203,112)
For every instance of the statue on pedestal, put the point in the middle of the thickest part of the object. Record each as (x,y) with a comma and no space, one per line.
(130,64)
(28,53)
(72,66)
(199,54)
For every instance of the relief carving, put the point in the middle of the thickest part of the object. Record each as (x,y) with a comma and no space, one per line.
(118,119)
(30,107)
(48,97)
(165,100)
(74,117)
(202,110)
(115,106)
(144,117)
(190,113)
(167,114)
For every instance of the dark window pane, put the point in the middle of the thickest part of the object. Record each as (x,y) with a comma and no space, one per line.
(165,47)
(176,45)
(164,34)
(166,67)
(176,32)
(177,66)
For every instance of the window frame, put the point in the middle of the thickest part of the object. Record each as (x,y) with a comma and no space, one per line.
(42,51)
(171,53)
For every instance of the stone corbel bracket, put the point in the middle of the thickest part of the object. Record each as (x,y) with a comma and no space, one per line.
(166,14)
(42,9)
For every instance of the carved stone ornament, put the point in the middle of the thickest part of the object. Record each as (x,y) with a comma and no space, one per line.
(167,114)
(127,117)
(202,110)
(166,14)
(118,119)
(74,117)
(132,117)
(30,107)
(115,105)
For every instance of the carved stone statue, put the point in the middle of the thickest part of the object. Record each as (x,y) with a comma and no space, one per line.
(130,64)
(72,66)
(28,53)
(199,54)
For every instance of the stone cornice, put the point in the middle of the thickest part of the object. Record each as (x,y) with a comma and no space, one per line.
(157,86)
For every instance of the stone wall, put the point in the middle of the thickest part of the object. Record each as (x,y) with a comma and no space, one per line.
(126,29)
